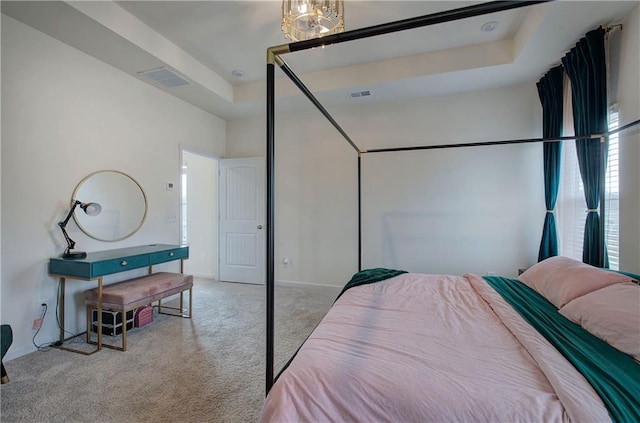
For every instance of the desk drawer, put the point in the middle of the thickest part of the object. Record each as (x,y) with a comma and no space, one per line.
(169,255)
(122,264)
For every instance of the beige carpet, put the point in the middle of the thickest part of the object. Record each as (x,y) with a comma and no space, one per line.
(208,369)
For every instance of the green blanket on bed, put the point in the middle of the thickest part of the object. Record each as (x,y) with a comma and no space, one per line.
(615,376)
(370,276)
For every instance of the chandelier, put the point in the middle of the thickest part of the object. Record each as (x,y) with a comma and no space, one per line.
(305,19)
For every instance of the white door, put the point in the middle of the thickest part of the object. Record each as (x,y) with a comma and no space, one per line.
(242,220)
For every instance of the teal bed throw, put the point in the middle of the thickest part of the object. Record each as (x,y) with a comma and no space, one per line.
(615,376)
(370,276)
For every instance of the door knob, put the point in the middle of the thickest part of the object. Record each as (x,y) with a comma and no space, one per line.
(259,226)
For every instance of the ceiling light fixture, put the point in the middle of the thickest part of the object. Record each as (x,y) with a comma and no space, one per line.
(306,19)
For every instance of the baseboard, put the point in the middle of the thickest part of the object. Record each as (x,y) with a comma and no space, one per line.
(14,353)
(204,275)
(278,282)
(298,283)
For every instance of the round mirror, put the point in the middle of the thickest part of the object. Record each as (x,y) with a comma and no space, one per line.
(123,205)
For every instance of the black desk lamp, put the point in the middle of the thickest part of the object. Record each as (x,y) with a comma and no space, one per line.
(91,209)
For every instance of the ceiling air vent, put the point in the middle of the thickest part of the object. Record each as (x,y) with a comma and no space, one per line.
(165,76)
(358,94)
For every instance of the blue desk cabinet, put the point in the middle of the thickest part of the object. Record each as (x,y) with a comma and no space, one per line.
(98,264)
(103,263)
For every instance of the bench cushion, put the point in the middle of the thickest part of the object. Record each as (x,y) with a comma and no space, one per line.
(136,292)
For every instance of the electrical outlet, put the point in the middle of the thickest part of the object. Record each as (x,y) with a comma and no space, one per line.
(37,324)
(42,311)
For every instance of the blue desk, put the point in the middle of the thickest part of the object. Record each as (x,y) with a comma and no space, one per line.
(98,264)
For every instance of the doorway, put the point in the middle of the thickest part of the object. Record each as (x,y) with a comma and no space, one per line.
(199,212)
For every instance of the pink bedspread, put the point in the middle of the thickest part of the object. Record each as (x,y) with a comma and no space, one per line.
(429,348)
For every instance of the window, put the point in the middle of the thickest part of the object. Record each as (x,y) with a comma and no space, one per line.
(571,206)
(612,195)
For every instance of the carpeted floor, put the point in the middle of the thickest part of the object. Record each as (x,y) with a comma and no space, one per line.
(208,369)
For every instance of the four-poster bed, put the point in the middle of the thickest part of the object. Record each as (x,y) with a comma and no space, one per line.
(462,315)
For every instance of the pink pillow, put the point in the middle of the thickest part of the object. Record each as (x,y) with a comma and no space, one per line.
(612,314)
(561,279)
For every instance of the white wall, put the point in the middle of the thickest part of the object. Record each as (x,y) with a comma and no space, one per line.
(65,115)
(628,97)
(498,220)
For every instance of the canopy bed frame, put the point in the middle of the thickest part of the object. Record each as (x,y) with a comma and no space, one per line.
(274,57)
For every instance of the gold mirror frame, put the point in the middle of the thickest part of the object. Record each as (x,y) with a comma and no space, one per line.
(124,205)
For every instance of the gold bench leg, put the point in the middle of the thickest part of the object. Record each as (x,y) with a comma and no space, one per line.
(180,309)
(89,324)
(190,302)
(124,330)
(123,347)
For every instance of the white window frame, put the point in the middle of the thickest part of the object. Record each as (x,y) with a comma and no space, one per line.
(571,207)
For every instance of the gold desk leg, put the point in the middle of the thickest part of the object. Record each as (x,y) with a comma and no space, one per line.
(61,311)
(99,313)
(181,306)
(61,315)
(89,319)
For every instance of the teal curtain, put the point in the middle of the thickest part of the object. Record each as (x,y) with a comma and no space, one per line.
(550,91)
(585,65)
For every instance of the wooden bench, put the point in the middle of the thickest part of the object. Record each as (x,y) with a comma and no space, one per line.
(133,293)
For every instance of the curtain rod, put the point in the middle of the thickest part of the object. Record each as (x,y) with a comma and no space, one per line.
(609,28)
(505,142)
